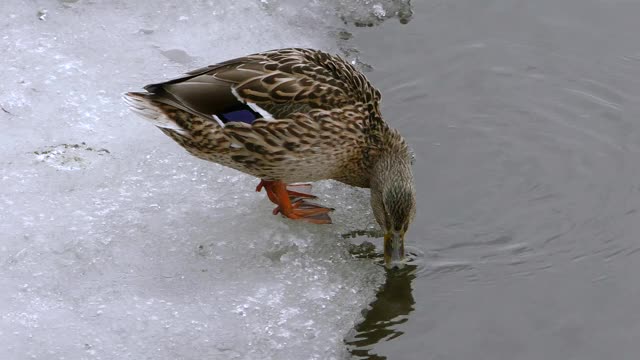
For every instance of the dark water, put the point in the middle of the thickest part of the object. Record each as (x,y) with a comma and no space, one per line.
(524,119)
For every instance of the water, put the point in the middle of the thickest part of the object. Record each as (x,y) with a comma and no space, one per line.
(524,122)
(523,118)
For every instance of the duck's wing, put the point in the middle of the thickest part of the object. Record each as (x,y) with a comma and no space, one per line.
(271,84)
(320,144)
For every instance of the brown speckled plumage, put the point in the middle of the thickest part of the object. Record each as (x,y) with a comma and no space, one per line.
(326,121)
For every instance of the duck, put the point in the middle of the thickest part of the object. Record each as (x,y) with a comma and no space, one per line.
(290,117)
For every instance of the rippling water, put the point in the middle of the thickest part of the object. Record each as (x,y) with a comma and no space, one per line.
(524,119)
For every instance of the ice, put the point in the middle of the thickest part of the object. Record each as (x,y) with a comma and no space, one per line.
(362,13)
(117,244)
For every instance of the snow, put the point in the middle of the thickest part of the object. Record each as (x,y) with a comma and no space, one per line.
(117,244)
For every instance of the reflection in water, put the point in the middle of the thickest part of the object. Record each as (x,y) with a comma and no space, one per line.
(390,309)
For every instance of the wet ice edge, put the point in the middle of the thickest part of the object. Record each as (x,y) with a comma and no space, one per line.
(118,244)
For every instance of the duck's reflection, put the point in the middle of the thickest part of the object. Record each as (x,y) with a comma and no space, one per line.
(391,308)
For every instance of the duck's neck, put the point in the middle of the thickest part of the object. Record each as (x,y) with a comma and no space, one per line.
(392,167)
(392,189)
(393,152)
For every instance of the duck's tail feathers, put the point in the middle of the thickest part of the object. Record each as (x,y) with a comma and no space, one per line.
(154,111)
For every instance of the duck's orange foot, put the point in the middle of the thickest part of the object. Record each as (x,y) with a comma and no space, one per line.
(306,211)
(301,191)
(294,191)
(292,204)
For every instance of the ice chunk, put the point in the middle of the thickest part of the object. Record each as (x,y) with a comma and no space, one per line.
(118,244)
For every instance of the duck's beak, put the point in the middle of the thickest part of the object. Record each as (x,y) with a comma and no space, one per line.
(393,248)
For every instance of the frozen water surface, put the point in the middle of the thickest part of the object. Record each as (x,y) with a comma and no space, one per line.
(117,244)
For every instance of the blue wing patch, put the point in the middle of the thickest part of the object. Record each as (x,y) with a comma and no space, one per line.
(245,116)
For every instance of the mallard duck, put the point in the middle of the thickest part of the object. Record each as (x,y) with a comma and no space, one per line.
(288,116)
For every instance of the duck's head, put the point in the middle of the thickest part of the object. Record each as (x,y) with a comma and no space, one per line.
(393,200)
